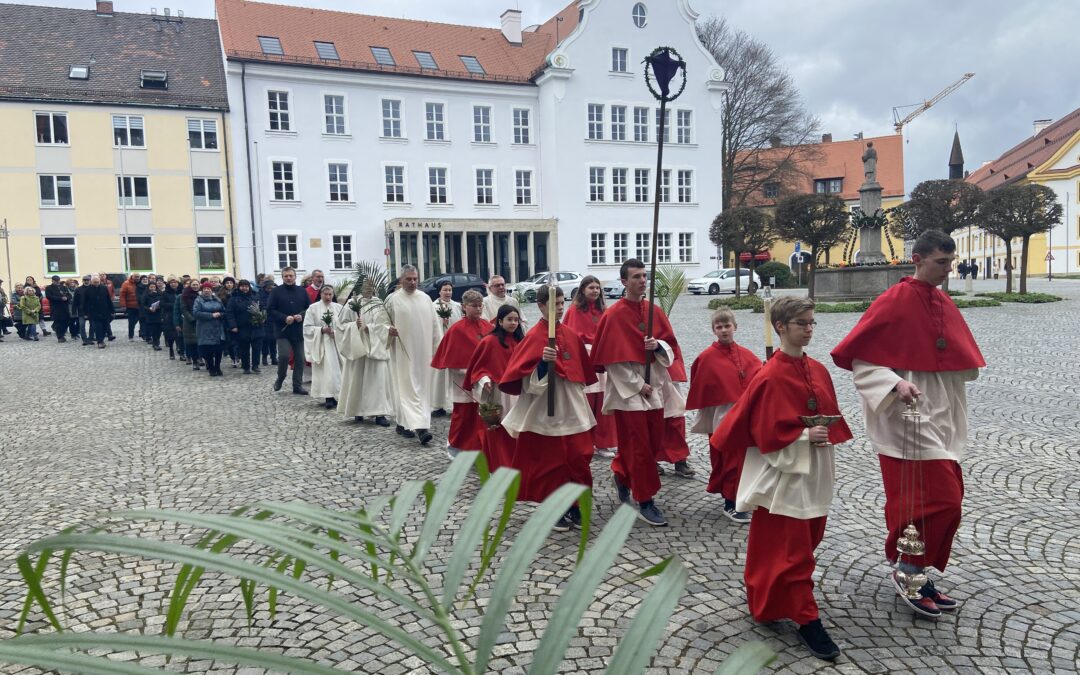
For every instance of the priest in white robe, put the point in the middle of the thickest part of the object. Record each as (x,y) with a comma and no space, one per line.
(496,298)
(414,336)
(363,341)
(320,347)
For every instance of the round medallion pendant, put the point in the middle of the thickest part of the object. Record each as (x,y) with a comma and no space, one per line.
(811,404)
(940,344)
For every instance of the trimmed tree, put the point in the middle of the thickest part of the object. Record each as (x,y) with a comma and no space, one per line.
(817,220)
(1020,211)
(946,205)
(742,229)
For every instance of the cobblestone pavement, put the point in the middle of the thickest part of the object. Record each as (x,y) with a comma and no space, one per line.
(85,430)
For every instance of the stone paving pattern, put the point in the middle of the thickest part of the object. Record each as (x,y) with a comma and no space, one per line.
(85,431)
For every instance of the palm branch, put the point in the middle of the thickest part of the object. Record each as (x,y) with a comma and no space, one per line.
(670,284)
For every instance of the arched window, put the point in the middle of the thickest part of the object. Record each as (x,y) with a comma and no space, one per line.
(640,15)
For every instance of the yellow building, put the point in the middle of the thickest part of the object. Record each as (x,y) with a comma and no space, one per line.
(115,145)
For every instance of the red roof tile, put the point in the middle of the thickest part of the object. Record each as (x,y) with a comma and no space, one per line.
(298,28)
(1031,153)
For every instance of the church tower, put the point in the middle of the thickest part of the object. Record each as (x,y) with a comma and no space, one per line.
(956,159)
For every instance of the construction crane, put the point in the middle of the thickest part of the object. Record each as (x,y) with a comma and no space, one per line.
(926,105)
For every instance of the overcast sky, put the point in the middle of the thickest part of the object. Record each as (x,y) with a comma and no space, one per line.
(854,60)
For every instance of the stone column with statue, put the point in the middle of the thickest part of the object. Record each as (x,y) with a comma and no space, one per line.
(870,204)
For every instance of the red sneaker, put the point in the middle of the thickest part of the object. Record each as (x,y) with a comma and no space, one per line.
(923,605)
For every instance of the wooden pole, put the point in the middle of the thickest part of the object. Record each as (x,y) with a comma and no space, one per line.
(551,300)
(655,232)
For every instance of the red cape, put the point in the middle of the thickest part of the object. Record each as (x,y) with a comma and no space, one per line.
(583,322)
(458,344)
(490,358)
(620,334)
(901,330)
(766,416)
(578,368)
(714,377)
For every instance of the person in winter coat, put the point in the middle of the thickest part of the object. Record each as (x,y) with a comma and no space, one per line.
(42,328)
(210,328)
(140,291)
(169,298)
(98,307)
(286,308)
(269,344)
(245,325)
(224,294)
(152,315)
(59,306)
(30,306)
(187,323)
(73,327)
(129,300)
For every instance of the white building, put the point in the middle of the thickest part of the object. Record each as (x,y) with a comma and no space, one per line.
(465,149)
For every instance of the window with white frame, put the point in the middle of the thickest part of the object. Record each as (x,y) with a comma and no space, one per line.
(435,115)
(481,123)
(522,130)
(202,134)
(437,190)
(128,131)
(830,186)
(598,247)
(133,190)
(596,183)
(620,247)
(642,242)
(618,184)
(391,118)
(55,190)
(334,114)
(667,124)
(394,176)
(338,181)
(139,253)
(342,251)
(684,186)
(618,123)
(665,185)
(288,251)
(207,192)
(523,187)
(641,125)
(663,247)
(283,177)
(684,124)
(596,121)
(485,186)
(619,56)
(641,185)
(51,128)
(60,255)
(278,107)
(686,247)
(211,253)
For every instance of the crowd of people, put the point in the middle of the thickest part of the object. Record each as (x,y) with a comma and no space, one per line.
(593,381)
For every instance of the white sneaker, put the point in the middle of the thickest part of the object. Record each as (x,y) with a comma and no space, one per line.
(606,453)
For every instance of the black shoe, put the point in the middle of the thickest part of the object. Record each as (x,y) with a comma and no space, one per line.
(574,515)
(563,524)
(660,470)
(382,421)
(157,348)
(944,602)
(424,435)
(195,367)
(650,513)
(273,362)
(331,403)
(299,391)
(111,338)
(402,431)
(172,357)
(359,419)
(741,517)
(819,643)
(684,470)
(60,339)
(87,344)
(622,492)
(438,412)
(247,371)
(46,333)
(277,384)
(235,364)
(255,369)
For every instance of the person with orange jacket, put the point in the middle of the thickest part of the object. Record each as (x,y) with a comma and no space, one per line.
(129,300)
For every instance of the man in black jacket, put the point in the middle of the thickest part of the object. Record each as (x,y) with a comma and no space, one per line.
(79,312)
(59,298)
(97,305)
(286,308)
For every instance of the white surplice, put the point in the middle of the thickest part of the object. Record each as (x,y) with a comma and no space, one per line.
(413,315)
(709,418)
(492,305)
(321,350)
(442,389)
(529,413)
(796,481)
(625,379)
(365,375)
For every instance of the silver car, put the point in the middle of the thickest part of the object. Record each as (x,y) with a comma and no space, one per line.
(722,281)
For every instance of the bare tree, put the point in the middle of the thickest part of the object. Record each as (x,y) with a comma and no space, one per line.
(1021,211)
(742,229)
(769,138)
(817,220)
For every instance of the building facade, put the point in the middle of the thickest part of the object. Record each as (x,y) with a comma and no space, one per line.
(115,152)
(507,150)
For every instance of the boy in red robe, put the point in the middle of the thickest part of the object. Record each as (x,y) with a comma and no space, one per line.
(624,351)
(557,449)
(912,344)
(486,368)
(718,376)
(787,475)
(454,352)
(582,317)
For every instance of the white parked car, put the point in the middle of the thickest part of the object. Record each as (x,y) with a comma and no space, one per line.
(615,289)
(567,281)
(722,281)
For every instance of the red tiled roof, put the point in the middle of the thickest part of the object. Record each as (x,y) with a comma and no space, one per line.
(843,159)
(298,28)
(1031,153)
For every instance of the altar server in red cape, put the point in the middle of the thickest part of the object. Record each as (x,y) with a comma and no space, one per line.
(639,409)
(453,354)
(486,368)
(551,450)
(718,376)
(787,474)
(582,316)
(913,343)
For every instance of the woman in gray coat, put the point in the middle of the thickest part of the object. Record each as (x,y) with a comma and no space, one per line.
(210,328)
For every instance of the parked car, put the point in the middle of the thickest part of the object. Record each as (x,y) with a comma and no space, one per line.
(567,281)
(615,289)
(723,281)
(462,282)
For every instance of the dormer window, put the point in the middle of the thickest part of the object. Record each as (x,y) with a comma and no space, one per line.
(154,79)
(79,73)
(270,45)
(426,60)
(327,51)
(472,64)
(383,57)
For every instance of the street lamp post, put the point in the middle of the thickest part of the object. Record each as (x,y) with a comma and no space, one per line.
(6,236)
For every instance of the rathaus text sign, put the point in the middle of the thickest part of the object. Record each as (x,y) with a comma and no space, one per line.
(419,225)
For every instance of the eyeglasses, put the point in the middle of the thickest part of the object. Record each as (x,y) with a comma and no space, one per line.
(803,324)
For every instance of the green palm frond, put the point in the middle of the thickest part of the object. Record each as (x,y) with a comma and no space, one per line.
(670,284)
(378,276)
